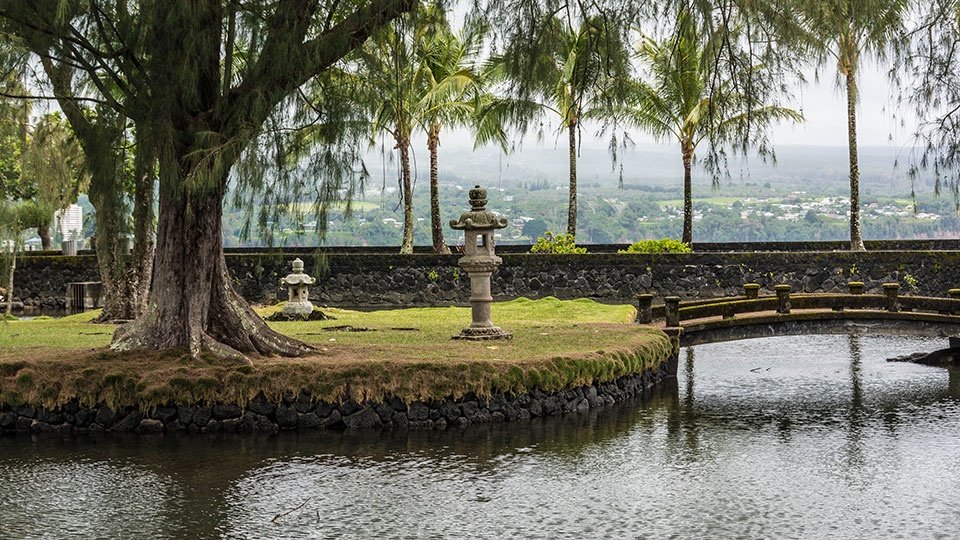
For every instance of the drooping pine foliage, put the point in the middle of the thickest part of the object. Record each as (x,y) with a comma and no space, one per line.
(931,76)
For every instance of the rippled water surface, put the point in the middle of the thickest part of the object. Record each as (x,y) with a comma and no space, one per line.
(800,437)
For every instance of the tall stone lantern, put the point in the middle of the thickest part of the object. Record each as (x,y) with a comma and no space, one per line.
(298,301)
(479,261)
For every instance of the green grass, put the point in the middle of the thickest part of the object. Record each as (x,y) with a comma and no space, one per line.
(74,331)
(528,320)
(407,353)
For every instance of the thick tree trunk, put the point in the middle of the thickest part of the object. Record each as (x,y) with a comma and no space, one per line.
(572,204)
(100,145)
(856,240)
(436,225)
(407,187)
(687,237)
(43,231)
(140,266)
(192,304)
(125,275)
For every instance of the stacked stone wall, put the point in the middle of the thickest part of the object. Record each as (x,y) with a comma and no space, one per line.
(361,278)
(395,280)
(300,412)
(41,281)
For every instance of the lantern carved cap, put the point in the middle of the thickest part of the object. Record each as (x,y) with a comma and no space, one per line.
(298,277)
(478,217)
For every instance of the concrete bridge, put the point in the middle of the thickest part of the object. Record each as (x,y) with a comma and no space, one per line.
(752,315)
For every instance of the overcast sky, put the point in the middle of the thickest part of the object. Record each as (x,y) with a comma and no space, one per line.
(823,105)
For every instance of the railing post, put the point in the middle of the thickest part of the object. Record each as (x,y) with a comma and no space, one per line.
(644,308)
(892,291)
(751,290)
(856,287)
(954,293)
(672,310)
(783,298)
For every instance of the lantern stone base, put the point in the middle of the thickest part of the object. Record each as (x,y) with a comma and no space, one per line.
(312,315)
(298,309)
(483,334)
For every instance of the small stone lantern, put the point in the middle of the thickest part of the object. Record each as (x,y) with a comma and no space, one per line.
(479,261)
(298,301)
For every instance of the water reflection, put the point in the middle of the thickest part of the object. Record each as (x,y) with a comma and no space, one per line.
(812,437)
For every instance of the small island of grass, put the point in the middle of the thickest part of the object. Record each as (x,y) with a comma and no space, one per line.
(577,351)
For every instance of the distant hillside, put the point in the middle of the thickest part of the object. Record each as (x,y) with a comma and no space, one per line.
(819,169)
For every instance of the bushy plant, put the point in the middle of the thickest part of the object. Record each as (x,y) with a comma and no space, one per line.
(664,245)
(556,243)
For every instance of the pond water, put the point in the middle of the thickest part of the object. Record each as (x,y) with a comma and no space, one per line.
(799,437)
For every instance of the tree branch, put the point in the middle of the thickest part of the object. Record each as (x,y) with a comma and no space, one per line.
(271,81)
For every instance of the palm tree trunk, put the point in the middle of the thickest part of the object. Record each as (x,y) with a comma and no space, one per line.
(572,206)
(856,240)
(407,187)
(436,226)
(687,237)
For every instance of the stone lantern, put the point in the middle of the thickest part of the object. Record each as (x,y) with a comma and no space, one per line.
(479,261)
(298,301)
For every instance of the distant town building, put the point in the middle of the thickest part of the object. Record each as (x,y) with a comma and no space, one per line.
(71,222)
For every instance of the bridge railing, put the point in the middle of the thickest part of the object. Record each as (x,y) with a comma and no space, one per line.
(673,311)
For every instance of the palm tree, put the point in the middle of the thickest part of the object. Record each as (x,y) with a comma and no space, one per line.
(843,31)
(455,91)
(419,76)
(689,100)
(571,71)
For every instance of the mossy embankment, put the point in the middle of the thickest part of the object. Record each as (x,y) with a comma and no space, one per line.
(362,357)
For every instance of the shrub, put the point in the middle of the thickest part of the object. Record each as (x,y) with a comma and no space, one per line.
(559,243)
(664,245)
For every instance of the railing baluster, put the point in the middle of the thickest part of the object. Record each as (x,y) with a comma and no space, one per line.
(783,298)
(892,291)
(644,308)
(672,310)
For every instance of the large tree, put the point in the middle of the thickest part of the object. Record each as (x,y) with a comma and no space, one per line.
(690,98)
(169,67)
(97,143)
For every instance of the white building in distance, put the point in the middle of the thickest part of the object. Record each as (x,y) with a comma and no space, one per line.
(71,222)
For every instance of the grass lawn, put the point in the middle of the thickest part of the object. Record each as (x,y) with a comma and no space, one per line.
(407,353)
